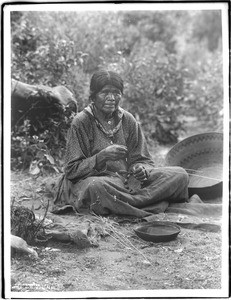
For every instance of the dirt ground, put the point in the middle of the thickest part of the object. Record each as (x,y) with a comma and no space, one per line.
(191,261)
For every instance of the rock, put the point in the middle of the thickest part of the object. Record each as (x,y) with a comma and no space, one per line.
(21,245)
(146,262)
(80,239)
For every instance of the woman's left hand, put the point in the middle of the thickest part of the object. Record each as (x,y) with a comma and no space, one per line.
(140,173)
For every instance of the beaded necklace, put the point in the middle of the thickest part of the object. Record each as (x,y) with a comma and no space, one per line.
(109,133)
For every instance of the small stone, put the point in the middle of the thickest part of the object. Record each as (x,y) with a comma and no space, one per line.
(80,239)
(146,262)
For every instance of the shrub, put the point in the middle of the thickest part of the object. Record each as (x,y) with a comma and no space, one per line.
(203,90)
(41,153)
(168,74)
(153,95)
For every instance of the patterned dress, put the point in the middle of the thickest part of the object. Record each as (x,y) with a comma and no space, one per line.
(109,190)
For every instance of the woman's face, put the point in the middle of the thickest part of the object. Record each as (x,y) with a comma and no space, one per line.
(107,100)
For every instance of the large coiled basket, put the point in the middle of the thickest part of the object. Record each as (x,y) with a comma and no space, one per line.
(201,156)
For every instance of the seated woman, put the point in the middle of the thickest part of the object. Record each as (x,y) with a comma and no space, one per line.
(105,146)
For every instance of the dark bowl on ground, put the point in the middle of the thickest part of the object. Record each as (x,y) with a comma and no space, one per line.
(158,231)
(201,155)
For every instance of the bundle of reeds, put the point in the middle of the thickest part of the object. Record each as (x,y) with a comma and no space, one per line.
(112,229)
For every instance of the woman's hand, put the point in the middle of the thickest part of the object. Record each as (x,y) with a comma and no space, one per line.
(113,152)
(140,173)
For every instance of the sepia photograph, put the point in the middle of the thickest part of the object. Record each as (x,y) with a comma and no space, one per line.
(116,150)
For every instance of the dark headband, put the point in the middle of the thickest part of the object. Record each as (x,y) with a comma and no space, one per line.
(101,78)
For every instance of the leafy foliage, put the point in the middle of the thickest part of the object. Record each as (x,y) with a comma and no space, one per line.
(155,99)
(170,61)
(203,93)
(207,28)
(43,152)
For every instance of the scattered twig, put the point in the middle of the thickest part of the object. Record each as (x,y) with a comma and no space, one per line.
(120,237)
(41,222)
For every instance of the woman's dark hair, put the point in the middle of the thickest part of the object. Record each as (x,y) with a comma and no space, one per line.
(103,77)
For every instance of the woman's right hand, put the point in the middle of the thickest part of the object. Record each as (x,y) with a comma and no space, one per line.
(115,152)
(112,152)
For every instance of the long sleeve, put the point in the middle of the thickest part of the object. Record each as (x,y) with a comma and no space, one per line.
(78,161)
(85,140)
(137,146)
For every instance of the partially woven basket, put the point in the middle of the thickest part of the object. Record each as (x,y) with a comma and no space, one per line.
(201,156)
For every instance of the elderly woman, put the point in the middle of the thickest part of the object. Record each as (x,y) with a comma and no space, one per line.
(108,166)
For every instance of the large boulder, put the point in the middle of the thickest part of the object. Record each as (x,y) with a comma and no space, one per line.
(39,104)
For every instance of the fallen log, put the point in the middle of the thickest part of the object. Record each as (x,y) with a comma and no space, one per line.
(39,104)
